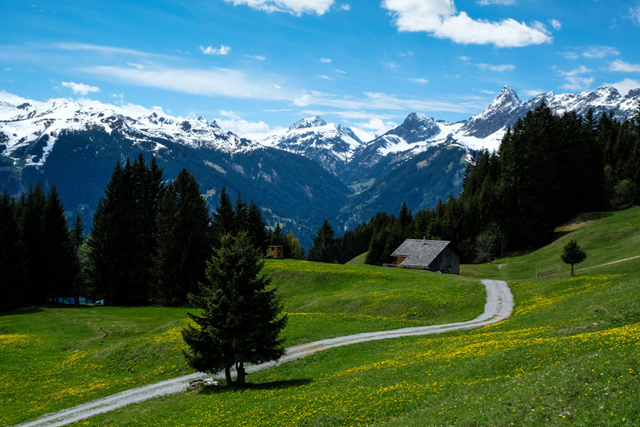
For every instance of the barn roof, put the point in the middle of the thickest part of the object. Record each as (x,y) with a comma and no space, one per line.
(420,253)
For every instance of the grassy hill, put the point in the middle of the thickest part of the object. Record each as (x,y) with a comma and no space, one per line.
(57,357)
(569,355)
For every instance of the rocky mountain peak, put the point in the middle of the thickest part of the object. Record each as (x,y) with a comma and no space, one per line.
(311,122)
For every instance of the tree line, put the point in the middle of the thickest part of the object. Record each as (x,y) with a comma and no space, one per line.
(149,242)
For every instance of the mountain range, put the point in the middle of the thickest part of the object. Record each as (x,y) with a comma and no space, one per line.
(310,171)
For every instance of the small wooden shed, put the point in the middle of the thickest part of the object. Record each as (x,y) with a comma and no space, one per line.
(433,255)
(276,252)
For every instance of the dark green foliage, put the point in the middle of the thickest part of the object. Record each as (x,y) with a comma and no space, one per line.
(223,218)
(241,320)
(77,232)
(13,275)
(182,239)
(122,235)
(572,254)
(60,263)
(324,247)
(31,210)
(256,228)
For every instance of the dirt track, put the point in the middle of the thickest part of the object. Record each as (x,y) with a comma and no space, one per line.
(497,308)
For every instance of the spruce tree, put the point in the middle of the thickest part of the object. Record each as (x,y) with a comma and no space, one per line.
(77,232)
(324,247)
(241,215)
(241,320)
(183,241)
(223,218)
(256,228)
(32,230)
(13,275)
(61,263)
(573,254)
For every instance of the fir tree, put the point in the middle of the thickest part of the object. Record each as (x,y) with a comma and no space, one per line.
(256,228)
(223,218)
(241,320)
(573,254)
(183,241)
(61,263)
(77,232)
(13,275)
(324,248)
(32,230)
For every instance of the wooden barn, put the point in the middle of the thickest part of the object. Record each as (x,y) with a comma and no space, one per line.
(276,252)
(433,255)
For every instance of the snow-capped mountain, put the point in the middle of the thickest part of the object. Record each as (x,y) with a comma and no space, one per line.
(30,126)
(330,145)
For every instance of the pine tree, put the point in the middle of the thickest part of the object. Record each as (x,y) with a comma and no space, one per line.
(256,228)
(77,232)
(573,254)
(241,215)
(223,218)
(32,230)
(324,247)
(13,275)
(241,320)
(183,241)
(61,263)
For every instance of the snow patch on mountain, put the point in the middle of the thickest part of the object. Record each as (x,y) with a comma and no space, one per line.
(31,122)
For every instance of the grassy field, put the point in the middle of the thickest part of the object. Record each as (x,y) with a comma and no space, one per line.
(57,357)
(569,355)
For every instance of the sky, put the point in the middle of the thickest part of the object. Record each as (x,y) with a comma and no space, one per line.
(256,66)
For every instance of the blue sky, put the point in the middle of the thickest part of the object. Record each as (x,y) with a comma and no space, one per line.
(256,65)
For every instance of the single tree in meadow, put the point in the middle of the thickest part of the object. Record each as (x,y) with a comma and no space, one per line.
(241,319)
(573,254)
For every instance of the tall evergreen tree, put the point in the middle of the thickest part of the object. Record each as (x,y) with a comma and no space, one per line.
(13,275)
(256,228)
(223,218)
(32,230)
(241,320)
(183,241)
(77,232)
(324,248)
(61,263)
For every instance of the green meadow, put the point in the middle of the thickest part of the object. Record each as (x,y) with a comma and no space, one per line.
(53,358)
(569,355)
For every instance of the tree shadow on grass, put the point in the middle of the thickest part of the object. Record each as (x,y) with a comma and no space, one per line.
(275,385)
(25,310)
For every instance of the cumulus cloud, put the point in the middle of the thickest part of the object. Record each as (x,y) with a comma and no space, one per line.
(325,60)
(624,67)
(440,18)
(207,82)
(294,7)
(244,128)
(344,7)
(418,80)
(555,24)
(80,88)
(625,86)
(574,81)
(224,50)
(491,67)
(598,52)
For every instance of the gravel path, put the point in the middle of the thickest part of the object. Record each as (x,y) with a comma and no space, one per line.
(498,307)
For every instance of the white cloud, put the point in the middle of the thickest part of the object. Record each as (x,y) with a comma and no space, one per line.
(491,67)
(624,67)
(440,18)
(118,96)
(487,2)
(344,7)
(368,131)
(325,60)
(107,50)
(294,7)
(257,57)
(80,88)
(392,64)
(244,128)
(464,58)
(489,92)
(207,82)
(224,50)
(229,114)
(555,24)
(574,82)
(138,66)
(625,86)
(383,101)
(324,77)
(532,92)
(340,71)
(407,53)
(418,80)
(569,55)
(635,15)
(7,69)
(600,52)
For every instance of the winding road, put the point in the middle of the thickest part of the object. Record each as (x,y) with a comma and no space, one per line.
(498,307)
